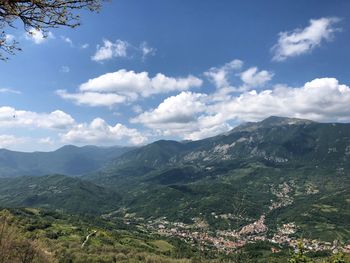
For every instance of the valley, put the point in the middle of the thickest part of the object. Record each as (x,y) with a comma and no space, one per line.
(260,189)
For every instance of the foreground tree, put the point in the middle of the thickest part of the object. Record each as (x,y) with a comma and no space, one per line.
(39,15)
(299,256)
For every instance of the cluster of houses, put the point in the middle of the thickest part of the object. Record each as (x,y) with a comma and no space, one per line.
(199,234)
(228,241)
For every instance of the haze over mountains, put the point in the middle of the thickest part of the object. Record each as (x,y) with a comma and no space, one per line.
(72,160)
(68,160)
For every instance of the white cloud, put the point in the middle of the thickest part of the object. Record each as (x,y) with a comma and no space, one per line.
(321,99)
(20,143)
(67,40)
(195,116)
(84,46)
(6,90)
(46,140)
(111,50)
(10,117)
(137,109)
(146,50)
(205,130)
(301,41)
(183,115)
(100,133)
(131,83)
(7,141)
(65,69)
(189,115)
(37,36)
(122,86)
(222,77)
(57,128)
(219,76)
(182,108)
(162,84)
(92,98)
(254,78)
(122,49)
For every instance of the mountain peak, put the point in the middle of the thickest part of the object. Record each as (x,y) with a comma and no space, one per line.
(269,122)
(276,120)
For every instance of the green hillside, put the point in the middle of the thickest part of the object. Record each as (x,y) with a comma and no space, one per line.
(35,235)
(57,192)
(43,236)
(261,187)
(232,179)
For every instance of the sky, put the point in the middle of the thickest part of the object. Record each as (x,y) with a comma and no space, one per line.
(140,71)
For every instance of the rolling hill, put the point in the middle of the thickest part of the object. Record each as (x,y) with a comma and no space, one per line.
(59,192)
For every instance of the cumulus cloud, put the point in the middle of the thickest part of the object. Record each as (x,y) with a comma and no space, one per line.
(100,133)
(182,108)
(195,116)
(60,128)
(121,86)
(111,50)
(7,141)
(10,117)
(184,115)
(20,143)
(37,36)
(254,78)
(219,75)
(322,99)
(222,77)
(301,41)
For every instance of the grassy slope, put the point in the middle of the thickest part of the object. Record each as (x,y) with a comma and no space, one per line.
(57,192)
(56,237)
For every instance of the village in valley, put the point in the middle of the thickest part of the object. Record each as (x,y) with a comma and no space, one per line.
(228,241)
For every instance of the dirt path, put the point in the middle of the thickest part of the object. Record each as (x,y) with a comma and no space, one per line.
(87,238)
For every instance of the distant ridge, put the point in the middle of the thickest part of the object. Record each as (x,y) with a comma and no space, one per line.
(73,160)
(69,160)
(270,122)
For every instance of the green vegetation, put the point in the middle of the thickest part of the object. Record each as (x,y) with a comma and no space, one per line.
(35,235)
(287,171)
(57,192)
(56,237)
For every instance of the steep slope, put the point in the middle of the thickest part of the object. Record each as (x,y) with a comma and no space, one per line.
(267,168)
(267,174)
(69,160)
(276,139)
(37,235)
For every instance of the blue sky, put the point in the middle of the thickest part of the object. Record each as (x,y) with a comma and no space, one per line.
(139,71)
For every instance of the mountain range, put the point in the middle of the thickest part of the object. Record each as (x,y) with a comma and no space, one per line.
(279,170)
(68,160)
